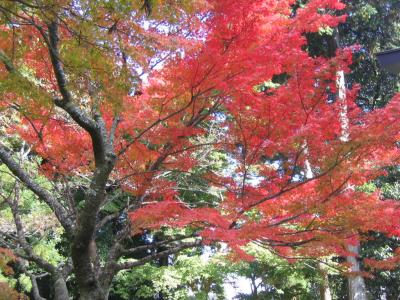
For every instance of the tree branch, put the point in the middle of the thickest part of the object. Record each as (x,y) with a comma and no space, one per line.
(39,191)
(95,127)
(35,288)
(30,255)
(6,61)
(154,245)
(146,259)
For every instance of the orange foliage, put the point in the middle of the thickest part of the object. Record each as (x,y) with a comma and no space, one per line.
(210,60)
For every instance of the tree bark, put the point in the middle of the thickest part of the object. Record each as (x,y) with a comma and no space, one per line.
(325,290)
(60,289)
(35,293)
(357,289)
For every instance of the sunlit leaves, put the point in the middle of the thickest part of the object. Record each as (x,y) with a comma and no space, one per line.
(158,73)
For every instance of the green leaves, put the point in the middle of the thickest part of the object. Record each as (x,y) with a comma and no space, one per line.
(366,12)
(189,275)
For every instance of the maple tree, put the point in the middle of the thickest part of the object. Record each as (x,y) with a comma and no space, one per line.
(113,95)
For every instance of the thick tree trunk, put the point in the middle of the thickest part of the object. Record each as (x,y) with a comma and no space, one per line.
(94,294)
(89,285)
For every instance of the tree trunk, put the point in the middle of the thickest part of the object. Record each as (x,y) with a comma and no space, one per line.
(35,290)
(325,290)
(60,289)
(93,294)
(88,284)
(357,289)
(254,291)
